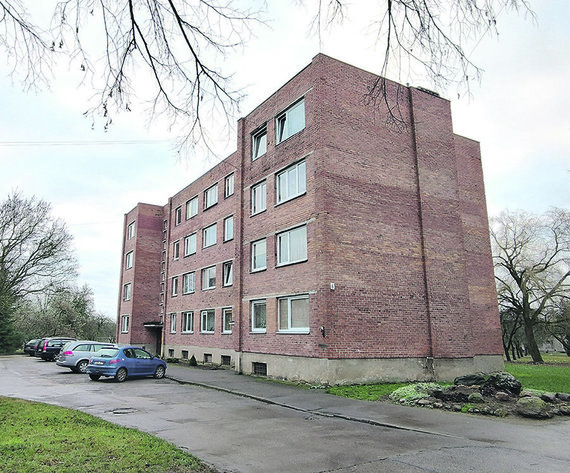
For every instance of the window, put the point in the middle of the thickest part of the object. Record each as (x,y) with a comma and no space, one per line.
(125,323)
(178,216)
(211,196)
(192,207)
(176,249)
(190,245)
(292,246)
(294,314)
(208,321)
(174,286)
(227,321)
(209,236)
(258,255)
(258,143)
(229,228)
(291,182)
(188,283)
(229,185)
(173,322)
(258,322)
(131,230)
(228,270)
(127,292)
(188,322)
(258,198)
(290,121)
(129,260)
(209,278)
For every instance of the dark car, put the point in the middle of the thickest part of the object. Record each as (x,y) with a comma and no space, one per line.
(30,347)
(75,355)
(125,362)
(49,348)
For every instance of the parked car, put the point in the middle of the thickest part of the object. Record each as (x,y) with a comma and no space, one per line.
(75,354)
(124,362)
(30,347)
(49,348)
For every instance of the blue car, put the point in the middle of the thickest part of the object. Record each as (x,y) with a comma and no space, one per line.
(121,363)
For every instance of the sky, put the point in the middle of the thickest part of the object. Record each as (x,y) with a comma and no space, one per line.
(519,112)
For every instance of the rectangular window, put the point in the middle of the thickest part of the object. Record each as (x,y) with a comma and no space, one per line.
(208,321)
(209,236)
(129,260)
(131,230)
(228,267)
(190,245)
(291,182)
(173,322)
(178,216)
(127,292)
(229,228)
(211,196)
(176,249)
(174,286)
(258,255)
(258,198)
(229,185)
(290,121)
(192,207)
(294,314)
(189,283)
(258,318)
(188,322)
(292,246)
(258,143)
(125,323)
(227,321)
(209,278)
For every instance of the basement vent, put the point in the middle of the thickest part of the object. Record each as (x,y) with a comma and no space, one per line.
(207,357)
(226,360)
(259,369)
(184,354)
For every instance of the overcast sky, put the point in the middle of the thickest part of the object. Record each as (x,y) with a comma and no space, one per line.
(520,113)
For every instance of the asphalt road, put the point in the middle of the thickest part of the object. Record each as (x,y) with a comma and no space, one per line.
(263,427)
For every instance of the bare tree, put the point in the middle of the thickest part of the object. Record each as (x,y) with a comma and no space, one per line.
(532,267)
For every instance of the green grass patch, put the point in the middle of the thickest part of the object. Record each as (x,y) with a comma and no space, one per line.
(40,438)
(552,378)
(365,392)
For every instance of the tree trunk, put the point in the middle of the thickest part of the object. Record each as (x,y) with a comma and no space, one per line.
(531,344)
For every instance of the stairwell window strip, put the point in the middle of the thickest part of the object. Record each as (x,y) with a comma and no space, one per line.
(125,323)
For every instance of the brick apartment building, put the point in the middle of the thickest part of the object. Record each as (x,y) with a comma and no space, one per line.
(329,247)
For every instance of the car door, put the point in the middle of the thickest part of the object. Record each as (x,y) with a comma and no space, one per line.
(145,364)
(129,361)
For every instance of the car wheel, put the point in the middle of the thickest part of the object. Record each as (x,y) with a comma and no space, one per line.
(94,377)
(160,371)
(121,375)
(82,366)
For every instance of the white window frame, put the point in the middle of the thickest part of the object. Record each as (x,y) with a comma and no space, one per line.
(285,257)
(211,196)
(176,250)
(188,322)
(189,282)
(190,244)
(192,207)
(289,328)
(229,185)
(127,291)
(291,182)
(125,322)
(131,230)
(177,215)
(174,286)
(229,228)
(207,279)
(210,235)
(129,258)
(227,273)
(286,124)
(254,327)
(258,197)
(259,142)
(173,322)
(204,316)
(227,324)
(258,265)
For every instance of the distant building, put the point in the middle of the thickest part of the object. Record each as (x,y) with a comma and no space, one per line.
(328,248)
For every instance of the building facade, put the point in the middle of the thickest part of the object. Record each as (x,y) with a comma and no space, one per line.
(330,247)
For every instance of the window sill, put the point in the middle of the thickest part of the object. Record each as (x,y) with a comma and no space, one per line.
(207,333)
(280,265)
(187,333)
(260,270)
(226,333)
(293,332)
(257,332)
(209,288)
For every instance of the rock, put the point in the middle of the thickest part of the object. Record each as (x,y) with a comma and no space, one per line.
(475,398)
(469,380)
(502,382)
(501,412)
(548,397)
(564,409)
(423,402)
(502,396)
(563,397)
(527,393)
(533,407)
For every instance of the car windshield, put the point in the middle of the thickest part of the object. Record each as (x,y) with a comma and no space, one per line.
(108,353)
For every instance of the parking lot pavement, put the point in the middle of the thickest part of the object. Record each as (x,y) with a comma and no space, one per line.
(242,425)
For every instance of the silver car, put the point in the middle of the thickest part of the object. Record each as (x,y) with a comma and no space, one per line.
(75,355)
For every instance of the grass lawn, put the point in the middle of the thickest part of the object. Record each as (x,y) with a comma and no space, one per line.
(40,438)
